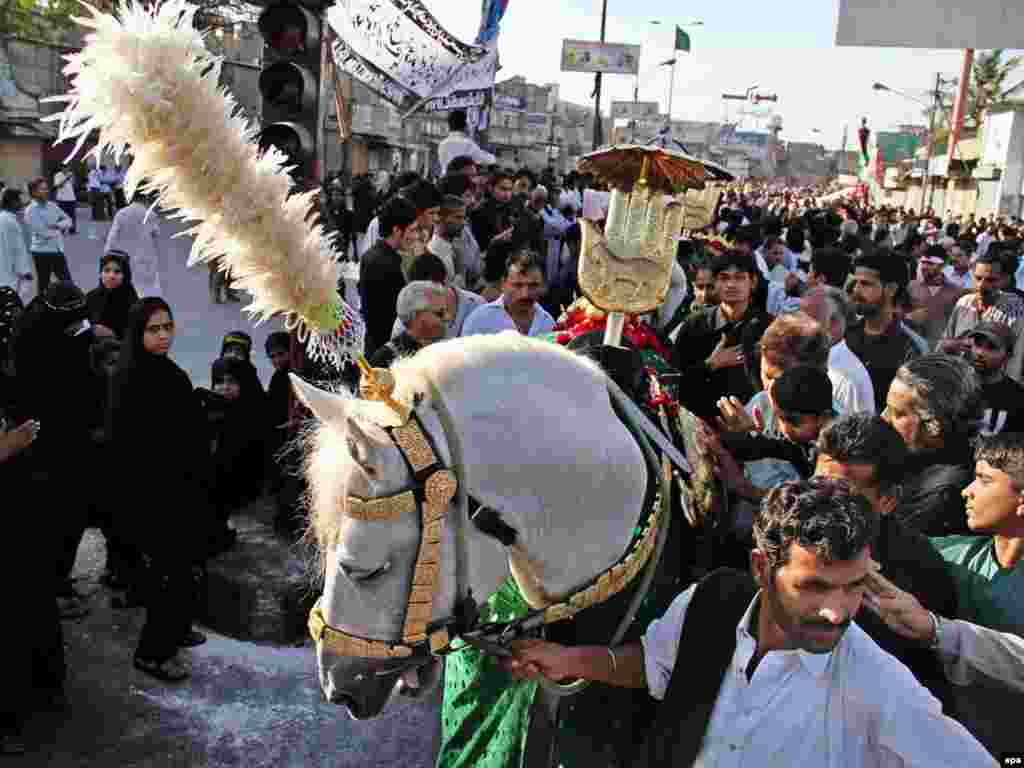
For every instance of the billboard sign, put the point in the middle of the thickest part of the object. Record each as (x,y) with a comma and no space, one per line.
(895,147)
(593,56)
(956,24)
(634,110)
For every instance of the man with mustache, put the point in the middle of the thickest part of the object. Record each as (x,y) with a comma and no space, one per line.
(933,296)
(878,339)
(772,670)
(986,304)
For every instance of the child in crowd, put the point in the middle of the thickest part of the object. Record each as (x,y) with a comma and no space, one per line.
(235,420)
(282,464)
(238,345)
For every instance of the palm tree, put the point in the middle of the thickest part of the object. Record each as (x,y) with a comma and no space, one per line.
(989,85)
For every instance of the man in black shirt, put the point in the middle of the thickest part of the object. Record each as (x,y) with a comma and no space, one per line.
(380,272)
(422,307)
(870,455)
(716,349)
(879,338)
(991,346)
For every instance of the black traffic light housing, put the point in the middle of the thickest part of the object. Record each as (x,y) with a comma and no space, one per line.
(290,85)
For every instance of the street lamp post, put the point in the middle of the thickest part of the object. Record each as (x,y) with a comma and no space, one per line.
(597,83)
(927,188)
(672,63)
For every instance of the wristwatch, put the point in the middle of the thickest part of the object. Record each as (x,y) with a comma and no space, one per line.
(936,632)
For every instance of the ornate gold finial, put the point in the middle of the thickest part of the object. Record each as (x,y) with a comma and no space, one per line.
(378,384)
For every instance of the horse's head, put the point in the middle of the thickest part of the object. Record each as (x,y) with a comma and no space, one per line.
(367,564)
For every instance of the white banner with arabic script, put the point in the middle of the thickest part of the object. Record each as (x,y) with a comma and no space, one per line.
(398,50)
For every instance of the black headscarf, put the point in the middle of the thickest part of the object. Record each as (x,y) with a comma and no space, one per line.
(111,307)
(157,430)
(241,436)
(52,367)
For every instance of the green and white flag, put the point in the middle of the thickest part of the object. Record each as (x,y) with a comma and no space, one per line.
(682,40)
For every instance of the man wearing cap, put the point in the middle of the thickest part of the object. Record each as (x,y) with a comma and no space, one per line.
(933,296)
(991,345)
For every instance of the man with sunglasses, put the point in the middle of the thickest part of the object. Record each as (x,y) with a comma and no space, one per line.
(423,309)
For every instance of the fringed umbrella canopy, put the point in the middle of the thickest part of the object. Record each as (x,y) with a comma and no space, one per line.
(668,170)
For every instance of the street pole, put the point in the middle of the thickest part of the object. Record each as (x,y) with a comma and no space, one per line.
(636,99)
(671,87)
(597,84)
(926,179)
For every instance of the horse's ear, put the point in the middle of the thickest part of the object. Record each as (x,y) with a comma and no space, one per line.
(326,406)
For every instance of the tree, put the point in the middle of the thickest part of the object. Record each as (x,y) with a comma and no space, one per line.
(991,83)
(52,21)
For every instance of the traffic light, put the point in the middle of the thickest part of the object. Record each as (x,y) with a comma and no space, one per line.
(290,86)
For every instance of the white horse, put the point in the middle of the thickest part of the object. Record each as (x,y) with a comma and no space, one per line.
(530,432)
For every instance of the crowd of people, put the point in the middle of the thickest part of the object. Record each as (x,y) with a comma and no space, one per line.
(103,429)
(873,347)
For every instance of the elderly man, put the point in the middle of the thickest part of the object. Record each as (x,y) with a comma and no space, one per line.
(423,309)
(769,666)
(851,382)
(986,304)
(516,309)
(461,303)
(555,226)
(932,297)
(935,403)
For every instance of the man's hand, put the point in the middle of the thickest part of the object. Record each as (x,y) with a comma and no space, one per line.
(532,658)
(725,357)
(734,417)
(16,440)
(955,346)
(901,611)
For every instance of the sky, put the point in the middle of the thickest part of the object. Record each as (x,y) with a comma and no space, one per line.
(787,48)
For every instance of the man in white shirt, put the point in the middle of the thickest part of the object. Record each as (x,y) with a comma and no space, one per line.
(794,681)
(67,200)
(15,263)
(517,308)
(555,226)
(457,143)
(959,271)
(94,186)
(851,382)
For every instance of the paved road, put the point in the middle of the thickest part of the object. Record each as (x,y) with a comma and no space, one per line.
(246,704)
(201,324)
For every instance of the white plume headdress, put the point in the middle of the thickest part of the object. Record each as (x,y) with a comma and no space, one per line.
(148,85)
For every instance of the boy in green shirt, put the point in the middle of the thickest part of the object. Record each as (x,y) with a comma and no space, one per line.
(988,571)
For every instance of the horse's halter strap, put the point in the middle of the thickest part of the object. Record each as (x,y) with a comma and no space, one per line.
(434,489)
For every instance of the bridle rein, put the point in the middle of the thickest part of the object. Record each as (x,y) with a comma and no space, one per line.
(434,488)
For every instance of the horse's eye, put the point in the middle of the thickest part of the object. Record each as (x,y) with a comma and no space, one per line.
(359,574)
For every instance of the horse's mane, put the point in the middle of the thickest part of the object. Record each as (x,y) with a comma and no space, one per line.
(327,463)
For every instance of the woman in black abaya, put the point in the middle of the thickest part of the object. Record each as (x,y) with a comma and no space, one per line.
(110,302)
(157,428)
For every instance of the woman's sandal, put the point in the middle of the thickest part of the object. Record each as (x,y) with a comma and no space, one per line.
(170,670)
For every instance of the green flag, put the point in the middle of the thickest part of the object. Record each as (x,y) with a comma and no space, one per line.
(682,40)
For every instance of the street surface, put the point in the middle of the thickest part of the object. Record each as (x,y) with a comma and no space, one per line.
(246,704)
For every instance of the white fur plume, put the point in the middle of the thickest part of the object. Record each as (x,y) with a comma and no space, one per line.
(148,84)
